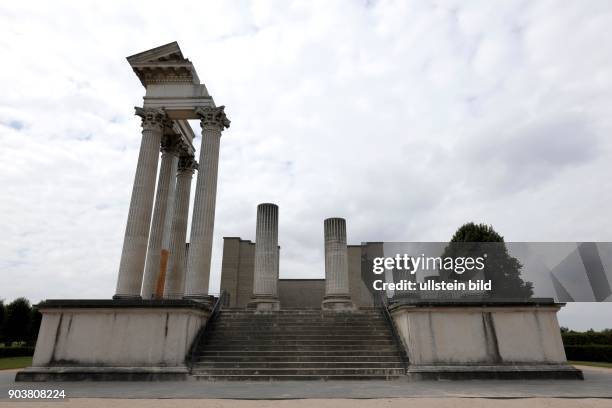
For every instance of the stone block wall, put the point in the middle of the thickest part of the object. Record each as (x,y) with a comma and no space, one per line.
(237,269)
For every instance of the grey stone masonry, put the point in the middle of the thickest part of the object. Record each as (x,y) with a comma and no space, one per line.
(163,202)
(175,278)
(337,293)
(213,121)
(265,276)
(134,250)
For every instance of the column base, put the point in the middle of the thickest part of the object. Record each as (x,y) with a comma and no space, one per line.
(264,304)
(128,297)
(204,299)
(338,303)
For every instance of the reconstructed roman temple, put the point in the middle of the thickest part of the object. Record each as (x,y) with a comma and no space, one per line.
(163,322)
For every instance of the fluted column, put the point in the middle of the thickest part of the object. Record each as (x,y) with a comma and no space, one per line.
(337,294)
(213,121)
(276,275)
(175,280)
(136,237)
(163,201)
(265,280)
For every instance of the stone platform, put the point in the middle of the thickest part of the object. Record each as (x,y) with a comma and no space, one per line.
(126,339)
(138,340)
(468,339)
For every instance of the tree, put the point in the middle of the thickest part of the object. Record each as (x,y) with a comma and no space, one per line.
(2,320)
(504,271)
(18,320)
(36,318)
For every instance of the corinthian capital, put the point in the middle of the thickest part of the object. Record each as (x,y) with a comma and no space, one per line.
(152,119)
(213,116)
(170,144)
(187,164)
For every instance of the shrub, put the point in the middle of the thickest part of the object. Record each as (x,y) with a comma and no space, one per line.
(16,351)
(596,352)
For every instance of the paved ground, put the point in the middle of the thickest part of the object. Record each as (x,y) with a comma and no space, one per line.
(325,403)
(595,390)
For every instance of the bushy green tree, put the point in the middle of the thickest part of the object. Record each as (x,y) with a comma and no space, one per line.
(2,320)
(18,324)
(502,269)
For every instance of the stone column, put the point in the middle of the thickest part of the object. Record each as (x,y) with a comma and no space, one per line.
(277,275)
(175,280)
(265,275)
(337,294)
(136,237)
(163,203)
(213,121)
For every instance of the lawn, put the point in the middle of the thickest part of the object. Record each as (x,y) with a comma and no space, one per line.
(592,363)
(15,362)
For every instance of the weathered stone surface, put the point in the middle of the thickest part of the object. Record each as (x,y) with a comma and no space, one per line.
(164,203)
(478,334)
(213,121)
(337,294)
(149,334)
(134,251)
(175,281)
(265,276)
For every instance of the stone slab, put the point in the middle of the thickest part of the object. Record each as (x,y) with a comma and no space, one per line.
(78,337)
(596,384)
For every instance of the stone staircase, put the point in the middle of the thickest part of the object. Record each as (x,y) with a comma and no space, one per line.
(303,344)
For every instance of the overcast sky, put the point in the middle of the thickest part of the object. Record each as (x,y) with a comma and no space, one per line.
(406,118)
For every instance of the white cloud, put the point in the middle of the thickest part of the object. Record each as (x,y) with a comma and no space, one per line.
(406,118)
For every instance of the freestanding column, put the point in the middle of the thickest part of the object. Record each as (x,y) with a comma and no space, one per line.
(163,204)
(265,279)
(213,121)
(134,250)
(175,281)
(337,295)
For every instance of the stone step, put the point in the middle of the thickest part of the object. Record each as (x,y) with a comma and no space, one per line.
(365,320)
(231,358)
(299,326)
(298,345)
(299,333)
(331,340)
(383,371)
(201,365)
(297,312)
(316,347)
(307,337)
(335,316)
(288,377)
(294,352)
(296,322)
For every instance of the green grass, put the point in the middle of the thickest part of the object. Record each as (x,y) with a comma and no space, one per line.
(592,363)
(15,362)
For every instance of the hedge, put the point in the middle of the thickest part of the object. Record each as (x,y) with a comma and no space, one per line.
(577,338)
(16,351)
(597,352)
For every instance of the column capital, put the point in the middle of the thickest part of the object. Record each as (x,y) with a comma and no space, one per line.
(171,144)
(187,164)
(213,117)
(152,118)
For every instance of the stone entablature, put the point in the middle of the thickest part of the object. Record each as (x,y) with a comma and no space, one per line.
(171,81)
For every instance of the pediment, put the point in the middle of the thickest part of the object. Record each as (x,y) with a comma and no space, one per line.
(165,63)
(170,52)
